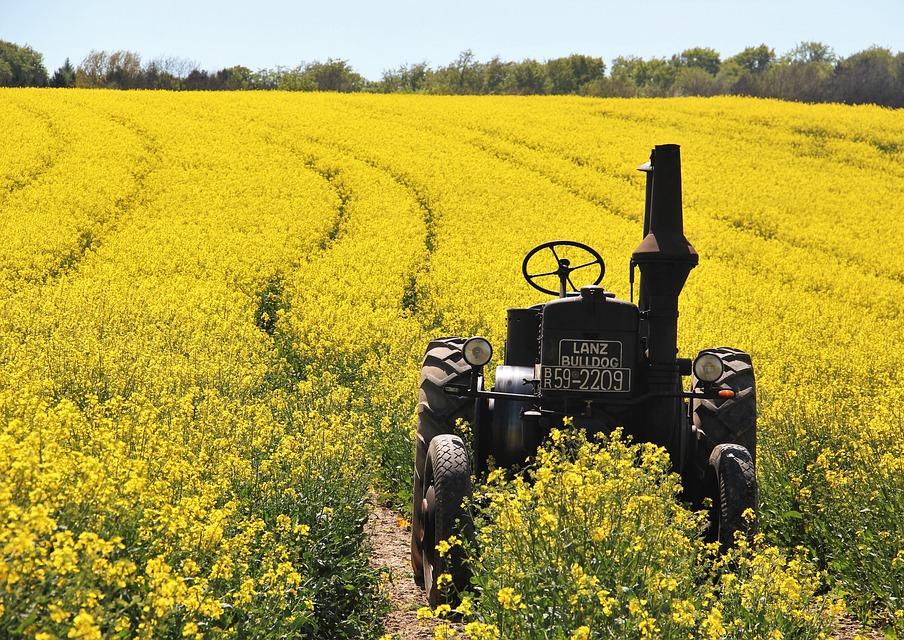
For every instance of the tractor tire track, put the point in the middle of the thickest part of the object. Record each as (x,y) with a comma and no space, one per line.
(843,260)
(271,300)
(469,139)
(848,628)
(416,299)
(749,227)
(33,174)
(332,176)
(90,238)
(388,536)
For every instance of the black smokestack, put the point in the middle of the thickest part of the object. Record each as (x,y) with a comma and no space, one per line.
(647,168)
(665,259)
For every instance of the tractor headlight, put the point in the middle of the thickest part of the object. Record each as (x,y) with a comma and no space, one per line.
(477,351)
(708,367)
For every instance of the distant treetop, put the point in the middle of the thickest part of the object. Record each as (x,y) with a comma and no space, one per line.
(810,72)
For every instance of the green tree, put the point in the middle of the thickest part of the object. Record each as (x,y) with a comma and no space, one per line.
(64,77)
(811,52)
(695,81)
(661,76)
(198,80)
(899,79)
(736,79)
(91,71)
(569,75)
(464,76)
(804,73)
(21,66)
(116,70)
(867,76)
(234,78)
(528,77)
(699,58)
(610,88)
(466,73)
(124,70)
(294,79)
(495,73)
(167,72)
(653,77)
(334,75)
(405,79)
(755,59)
(803,81)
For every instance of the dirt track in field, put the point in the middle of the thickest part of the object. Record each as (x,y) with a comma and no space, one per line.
(389,537)
(390,553)
(848,629)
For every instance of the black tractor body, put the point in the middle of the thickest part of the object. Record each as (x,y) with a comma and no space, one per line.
(604,363)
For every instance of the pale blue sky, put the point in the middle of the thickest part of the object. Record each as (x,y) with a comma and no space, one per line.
(374,36)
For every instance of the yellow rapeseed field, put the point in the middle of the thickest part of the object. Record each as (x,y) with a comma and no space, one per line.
(213,308)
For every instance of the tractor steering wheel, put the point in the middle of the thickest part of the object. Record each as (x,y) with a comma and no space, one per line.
(564,268)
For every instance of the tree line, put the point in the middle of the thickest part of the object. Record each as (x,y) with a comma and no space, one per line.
(810,72)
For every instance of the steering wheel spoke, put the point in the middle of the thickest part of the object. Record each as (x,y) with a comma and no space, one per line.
(542,275)
(586,264)
(564,268)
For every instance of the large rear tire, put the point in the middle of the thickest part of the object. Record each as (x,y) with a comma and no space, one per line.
(447,484)
(735,506)
(437,413)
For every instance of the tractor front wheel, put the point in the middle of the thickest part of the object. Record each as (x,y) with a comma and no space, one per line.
(447,483)
(437,414)
(734,489)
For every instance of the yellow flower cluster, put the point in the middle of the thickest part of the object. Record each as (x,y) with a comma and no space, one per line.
(213,306)
(650,576)
(169,466)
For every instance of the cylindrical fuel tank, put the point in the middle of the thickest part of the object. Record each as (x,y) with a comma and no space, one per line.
(513,441)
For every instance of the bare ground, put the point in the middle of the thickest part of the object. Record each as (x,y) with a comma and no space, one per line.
(390,540)
(389,537)
(848,628)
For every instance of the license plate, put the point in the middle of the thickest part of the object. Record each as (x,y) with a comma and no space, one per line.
(589,366)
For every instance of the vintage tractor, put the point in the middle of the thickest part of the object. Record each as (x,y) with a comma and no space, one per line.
(605,363)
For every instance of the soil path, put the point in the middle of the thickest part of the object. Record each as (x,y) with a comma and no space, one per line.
(390,543)
(848,629)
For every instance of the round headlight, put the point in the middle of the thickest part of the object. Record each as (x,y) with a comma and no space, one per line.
(478,351)
(708,367)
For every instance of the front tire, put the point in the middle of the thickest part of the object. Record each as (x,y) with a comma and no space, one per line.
(734,510)
(447,484)
(437,413)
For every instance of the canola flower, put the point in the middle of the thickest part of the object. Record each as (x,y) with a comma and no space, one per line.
(647,575)
(214,305)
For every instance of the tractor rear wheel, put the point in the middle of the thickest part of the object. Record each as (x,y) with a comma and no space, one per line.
(734,510)
(727,420)
(437,413)
(447,483)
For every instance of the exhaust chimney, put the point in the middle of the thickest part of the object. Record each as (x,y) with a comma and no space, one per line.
(665,259)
